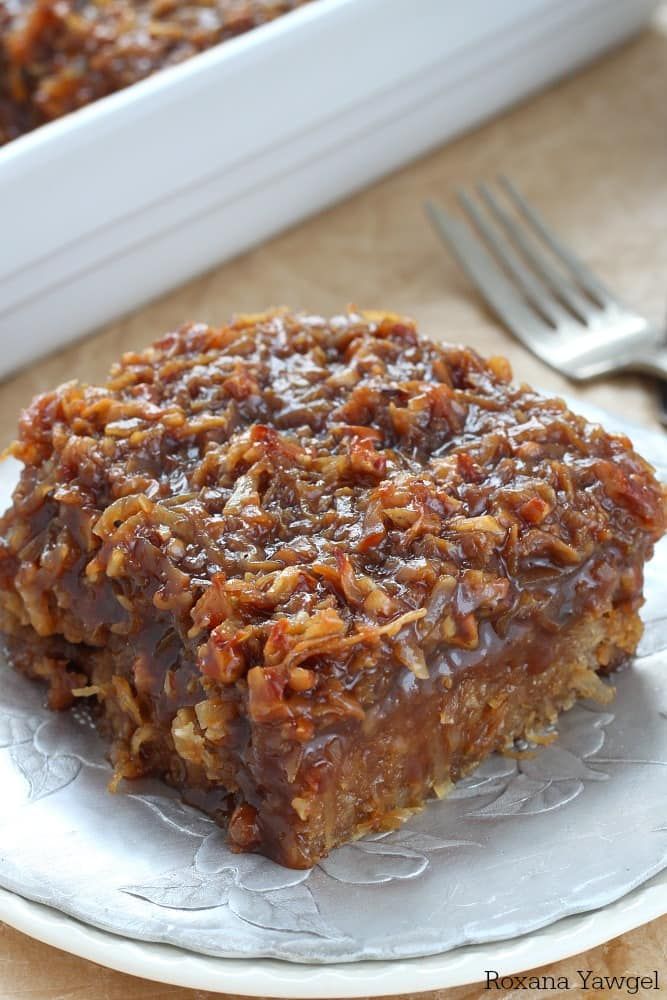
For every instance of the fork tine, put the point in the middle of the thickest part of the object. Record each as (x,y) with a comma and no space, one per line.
(582,274)
(489,279)
(529,285)
(581,307)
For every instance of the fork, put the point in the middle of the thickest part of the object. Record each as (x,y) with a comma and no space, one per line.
(548,298)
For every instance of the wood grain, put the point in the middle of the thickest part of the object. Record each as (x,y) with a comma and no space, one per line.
(592,153)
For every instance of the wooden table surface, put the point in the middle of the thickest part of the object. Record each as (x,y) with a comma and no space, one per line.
(592,153)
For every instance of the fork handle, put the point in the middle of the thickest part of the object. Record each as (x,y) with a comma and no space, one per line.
(653,362)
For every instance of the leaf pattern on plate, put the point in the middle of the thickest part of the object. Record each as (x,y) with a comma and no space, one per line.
(45,775)
(292,909)
(211,856)
(264,875)
(367,862)
(384,857)
(555,763)
(424,843)
(177,814)
(289,907)
(527,797)
(16,728)
(584,730)
(185,889)
(490,776)
(64,729)
(254,872)
(552,775)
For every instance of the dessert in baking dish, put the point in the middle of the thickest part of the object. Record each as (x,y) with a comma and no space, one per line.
(59,55)
(313,571)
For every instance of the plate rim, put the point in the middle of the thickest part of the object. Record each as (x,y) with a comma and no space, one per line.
(266,977)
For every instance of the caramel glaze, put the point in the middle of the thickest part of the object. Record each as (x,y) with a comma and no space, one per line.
(316,569)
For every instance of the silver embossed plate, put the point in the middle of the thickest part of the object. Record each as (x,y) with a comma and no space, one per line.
(517,846)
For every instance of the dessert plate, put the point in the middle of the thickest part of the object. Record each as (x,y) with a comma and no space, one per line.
(270,978)
(519,845)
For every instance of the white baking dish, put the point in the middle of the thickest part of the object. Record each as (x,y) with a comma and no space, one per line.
(118,202)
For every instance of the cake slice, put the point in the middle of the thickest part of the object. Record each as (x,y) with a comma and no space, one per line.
(312,571)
